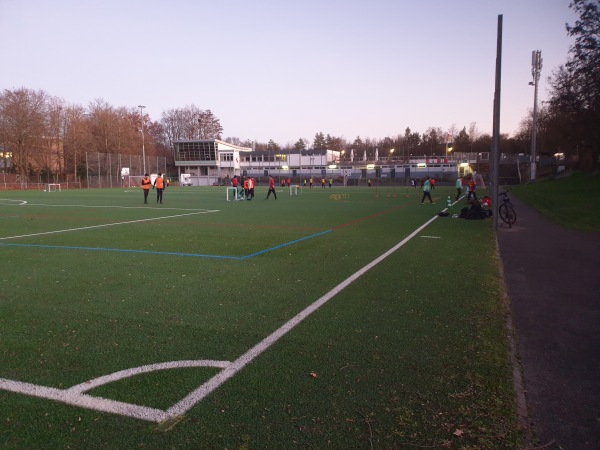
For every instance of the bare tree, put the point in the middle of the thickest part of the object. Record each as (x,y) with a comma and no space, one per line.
(233,140)
(50,156)
(190,123)
(432,141)
(22,124)
(209,126)
(452,132)
(104,119)
(77,137)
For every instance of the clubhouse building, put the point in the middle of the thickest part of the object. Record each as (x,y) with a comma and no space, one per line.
(212,162)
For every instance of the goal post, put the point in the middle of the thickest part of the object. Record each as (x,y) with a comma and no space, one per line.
(295,189)
(235,195)
(53,187)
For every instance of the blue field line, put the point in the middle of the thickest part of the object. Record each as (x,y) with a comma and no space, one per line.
(154,252)
(120,250)
(251,255)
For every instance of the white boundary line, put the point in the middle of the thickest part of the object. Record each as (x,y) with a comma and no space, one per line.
(106,225)
(74,395)
(156,208)
(9,202)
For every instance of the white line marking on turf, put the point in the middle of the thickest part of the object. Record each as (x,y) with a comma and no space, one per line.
(106,225)
(85,401)
(75,396)
(115,207)
(431,237)
(92,384)
(9,202)
(216,381)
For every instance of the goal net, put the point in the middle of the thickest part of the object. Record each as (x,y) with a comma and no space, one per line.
(53,187)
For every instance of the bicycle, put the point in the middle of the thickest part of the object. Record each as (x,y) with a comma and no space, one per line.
(506,211)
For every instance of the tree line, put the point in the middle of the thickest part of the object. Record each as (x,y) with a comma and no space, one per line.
(43,135)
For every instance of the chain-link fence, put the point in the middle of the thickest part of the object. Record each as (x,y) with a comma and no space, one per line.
(103,170)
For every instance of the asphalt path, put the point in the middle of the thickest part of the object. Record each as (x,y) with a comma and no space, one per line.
(552,276)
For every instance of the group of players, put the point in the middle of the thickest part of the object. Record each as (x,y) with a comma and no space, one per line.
(159,184)
(245,188)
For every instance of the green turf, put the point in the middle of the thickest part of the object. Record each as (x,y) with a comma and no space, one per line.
(573,202)
(413,353)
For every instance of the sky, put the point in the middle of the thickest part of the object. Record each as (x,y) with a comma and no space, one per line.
(289,69)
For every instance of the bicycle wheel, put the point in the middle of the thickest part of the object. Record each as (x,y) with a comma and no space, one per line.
(507,214)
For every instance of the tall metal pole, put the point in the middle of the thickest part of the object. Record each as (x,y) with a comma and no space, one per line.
(536,69)
(143,141)
(495,159)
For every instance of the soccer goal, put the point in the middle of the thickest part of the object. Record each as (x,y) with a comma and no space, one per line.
(53,187)
(295,189)
(235,195)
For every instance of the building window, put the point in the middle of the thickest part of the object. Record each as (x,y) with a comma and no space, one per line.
(195,151)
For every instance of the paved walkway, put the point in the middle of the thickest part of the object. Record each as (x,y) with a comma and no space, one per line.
(553,280)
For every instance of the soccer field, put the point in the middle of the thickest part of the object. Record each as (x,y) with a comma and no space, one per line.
(342,317)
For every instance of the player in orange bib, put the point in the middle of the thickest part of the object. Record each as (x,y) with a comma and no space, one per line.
(159,184)
(146,186)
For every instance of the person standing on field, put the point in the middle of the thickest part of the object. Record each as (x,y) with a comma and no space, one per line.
(235,185)
(458,185)
(247,188)
(146,183)
(471,189)
(159,184)
(250,188)
(271,188)
(426,193)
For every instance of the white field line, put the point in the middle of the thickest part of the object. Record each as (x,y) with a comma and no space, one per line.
(9,202)
(83,400)
(216,381)
(105,225)
(92,384)
(108,206)
(75,396)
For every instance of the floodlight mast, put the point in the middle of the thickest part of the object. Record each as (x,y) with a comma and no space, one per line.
(536,69)
(143,143)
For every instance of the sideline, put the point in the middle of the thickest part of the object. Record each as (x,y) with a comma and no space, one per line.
(75,396)
(106,225)
(515,362)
